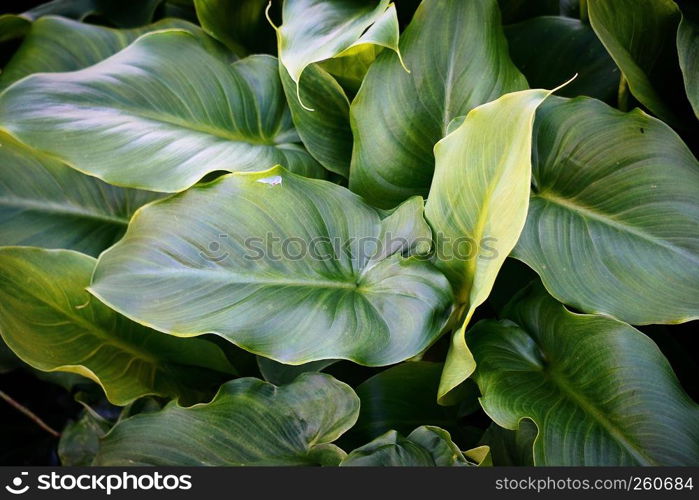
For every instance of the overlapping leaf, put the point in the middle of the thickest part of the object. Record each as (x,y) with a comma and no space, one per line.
(402,398)
(294,269)
(688,48)
(599,391)
(316,30)
(613,223)
(426,446)
(249,422)
(56,44)
(50,321)
(478,205)
(155,124)
(239,24)
(44,203)
(640,36)
(552,49)
(458,58)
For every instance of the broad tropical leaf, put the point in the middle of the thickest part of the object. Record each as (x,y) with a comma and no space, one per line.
(426,446)
(316,30)
(142,107)
(293,269)
(119,13)
(326,130)
(640,36)
(599,391)
(280,374)
(552,49)
(458,58)
(239,24)
(44,203)
(50,321)
(56,44)
(511,448)
(688,49)
(79,441)
(478,205)
(613,223)
(401,398)
(514,11)
(249,422)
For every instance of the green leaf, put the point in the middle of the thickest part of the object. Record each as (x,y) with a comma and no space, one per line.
(326,130)
(141,107)
(458,58)
(121,14)
(351,67)
(640,36)
(50,321)
(13,26)
(316,30)
(514,11)
(280,374)
(511,448)
(426,446)
(552,49)
(599,391)
(239,24)
(688,48)
(249,422)
(79,441)
(478,205)
(293,269)
(46,204)
(613,223)
(400,399)
(56,44)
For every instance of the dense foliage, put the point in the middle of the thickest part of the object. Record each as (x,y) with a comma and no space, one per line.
(350,232)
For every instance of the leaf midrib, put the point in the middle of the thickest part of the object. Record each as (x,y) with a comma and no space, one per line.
(590,213)
(560,381)
(61,210)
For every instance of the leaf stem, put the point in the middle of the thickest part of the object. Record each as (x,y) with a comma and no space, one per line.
(623,94)
(32,416)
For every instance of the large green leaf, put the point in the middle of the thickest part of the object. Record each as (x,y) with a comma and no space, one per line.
(50,321)
(44,203)
(120,13)
(511,448)
(599,391)
(290,268)
(280,374)
(240,24)
(458,58)
(640,36)
(316,30)
(56,44)
(400,399)
(426,446)
(79,441)
(155,124)
(552,49)
(688,50)
(326,130)
(518,10)
(613,223)
(478,205)
(249,422)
